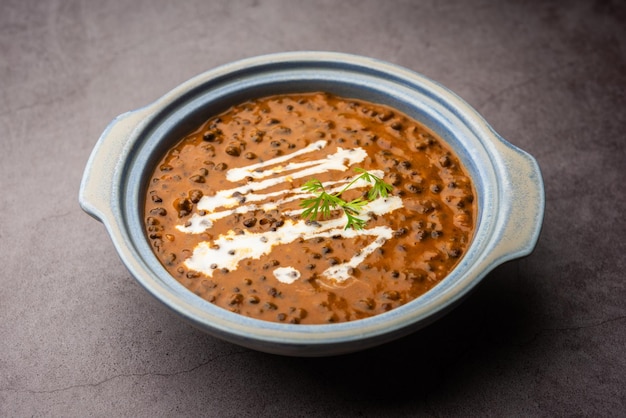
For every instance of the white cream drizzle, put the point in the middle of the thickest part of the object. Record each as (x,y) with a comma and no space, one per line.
(286,274)
(228,250)
(197,224)
(339,161)
(236,174)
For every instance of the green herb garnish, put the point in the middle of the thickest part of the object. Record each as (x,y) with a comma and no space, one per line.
(323,203)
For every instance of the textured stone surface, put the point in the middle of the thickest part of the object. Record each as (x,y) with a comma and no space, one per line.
(542,336)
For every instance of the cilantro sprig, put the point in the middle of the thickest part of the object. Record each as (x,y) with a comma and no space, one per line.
(323,202)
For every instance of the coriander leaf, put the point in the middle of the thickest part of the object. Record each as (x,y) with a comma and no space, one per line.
(324,202)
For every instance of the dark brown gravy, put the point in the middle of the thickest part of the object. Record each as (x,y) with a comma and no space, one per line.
(235,237)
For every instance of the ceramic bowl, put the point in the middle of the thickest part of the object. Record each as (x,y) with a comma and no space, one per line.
(509,188)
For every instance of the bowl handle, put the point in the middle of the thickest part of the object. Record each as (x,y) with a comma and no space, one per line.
(96,189)
(523,199)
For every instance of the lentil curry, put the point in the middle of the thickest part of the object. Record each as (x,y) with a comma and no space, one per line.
(223,209)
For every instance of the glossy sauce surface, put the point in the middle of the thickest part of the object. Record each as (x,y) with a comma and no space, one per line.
(223,210)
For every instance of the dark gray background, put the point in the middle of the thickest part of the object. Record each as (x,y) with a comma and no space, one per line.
(542,336)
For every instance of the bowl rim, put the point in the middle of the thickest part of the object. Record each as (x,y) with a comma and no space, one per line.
(487,153)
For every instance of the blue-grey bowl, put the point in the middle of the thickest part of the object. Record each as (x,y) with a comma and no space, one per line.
(509,188)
